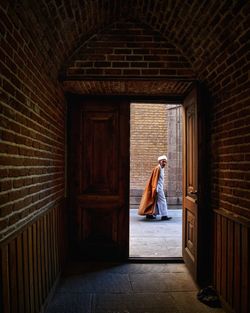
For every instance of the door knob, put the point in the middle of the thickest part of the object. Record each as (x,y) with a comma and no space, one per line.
(195,192)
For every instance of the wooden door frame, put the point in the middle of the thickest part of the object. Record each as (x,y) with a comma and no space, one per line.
(190,180)
(203,274)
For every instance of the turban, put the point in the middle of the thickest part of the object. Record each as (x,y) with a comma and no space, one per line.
(162,157)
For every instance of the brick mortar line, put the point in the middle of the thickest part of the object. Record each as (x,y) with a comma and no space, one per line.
(57,130)
(226,146)
(234,188)
(14,189)
(59,109)
(26,166)
(230,107)
(21,157)
(19,167)
(27,197)
(234,204)
(27,147)
(226,123)
(30,98)
(14,144)
(13,213)
(24,126)
(20,178)
(235,153)
(7,232)
(25,177)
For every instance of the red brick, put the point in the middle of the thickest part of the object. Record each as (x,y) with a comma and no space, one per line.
(4,223)
(151,72)
(6,210)
(120,64)
(115,57)
(5,185)
(112,71)
(131,72)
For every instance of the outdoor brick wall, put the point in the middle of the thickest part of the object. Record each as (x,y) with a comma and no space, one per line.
(148,140)
(155,130)
(32,128)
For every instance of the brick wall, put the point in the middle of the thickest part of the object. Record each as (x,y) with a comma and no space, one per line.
(127,49)
(205,40)
(32,128)
(32,163)
(155,130)
(211,40)
(148,141)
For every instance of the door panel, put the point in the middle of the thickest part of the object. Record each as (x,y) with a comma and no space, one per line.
(100,156)
(196,243)
(99,176)
(190,183)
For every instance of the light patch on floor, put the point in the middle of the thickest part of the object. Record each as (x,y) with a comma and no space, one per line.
(155,238)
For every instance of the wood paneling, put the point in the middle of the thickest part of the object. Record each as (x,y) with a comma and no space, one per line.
(231,260)
(30,263)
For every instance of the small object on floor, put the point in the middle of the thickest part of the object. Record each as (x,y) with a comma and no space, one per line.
(150,217)
(208,296)
(166,218)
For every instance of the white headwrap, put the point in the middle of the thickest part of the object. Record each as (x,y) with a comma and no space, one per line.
(162,157)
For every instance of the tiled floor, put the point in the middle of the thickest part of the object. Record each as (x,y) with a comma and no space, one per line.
(133,287)
(155,238)
(127,288)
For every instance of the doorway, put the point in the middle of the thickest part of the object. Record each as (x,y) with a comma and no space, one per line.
(98,172)
(155,129)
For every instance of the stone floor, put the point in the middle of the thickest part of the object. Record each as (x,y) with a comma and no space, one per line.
(156,238)
(133,287)
(127,288)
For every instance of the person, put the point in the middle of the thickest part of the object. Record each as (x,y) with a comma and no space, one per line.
(153,201)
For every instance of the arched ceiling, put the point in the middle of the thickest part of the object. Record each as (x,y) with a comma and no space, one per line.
(205,32)
(128,58)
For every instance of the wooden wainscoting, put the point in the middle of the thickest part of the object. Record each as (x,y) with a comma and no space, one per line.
(231,260)
(31,262)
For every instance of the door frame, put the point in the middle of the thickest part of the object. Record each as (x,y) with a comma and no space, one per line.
(204,261)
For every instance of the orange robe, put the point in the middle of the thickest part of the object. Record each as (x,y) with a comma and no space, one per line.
(148,200)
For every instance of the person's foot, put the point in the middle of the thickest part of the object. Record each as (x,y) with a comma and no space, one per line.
(150,217)
(166,218)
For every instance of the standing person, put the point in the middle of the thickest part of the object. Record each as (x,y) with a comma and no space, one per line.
(153,201)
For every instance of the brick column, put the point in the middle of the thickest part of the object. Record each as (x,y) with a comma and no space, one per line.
(174,142)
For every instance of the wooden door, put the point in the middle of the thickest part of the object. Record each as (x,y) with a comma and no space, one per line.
(99,177)
(196,211)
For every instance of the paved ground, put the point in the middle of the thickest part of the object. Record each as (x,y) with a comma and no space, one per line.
(155,238)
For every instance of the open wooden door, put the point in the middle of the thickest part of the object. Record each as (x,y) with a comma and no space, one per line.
(99,177)
(196,243)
